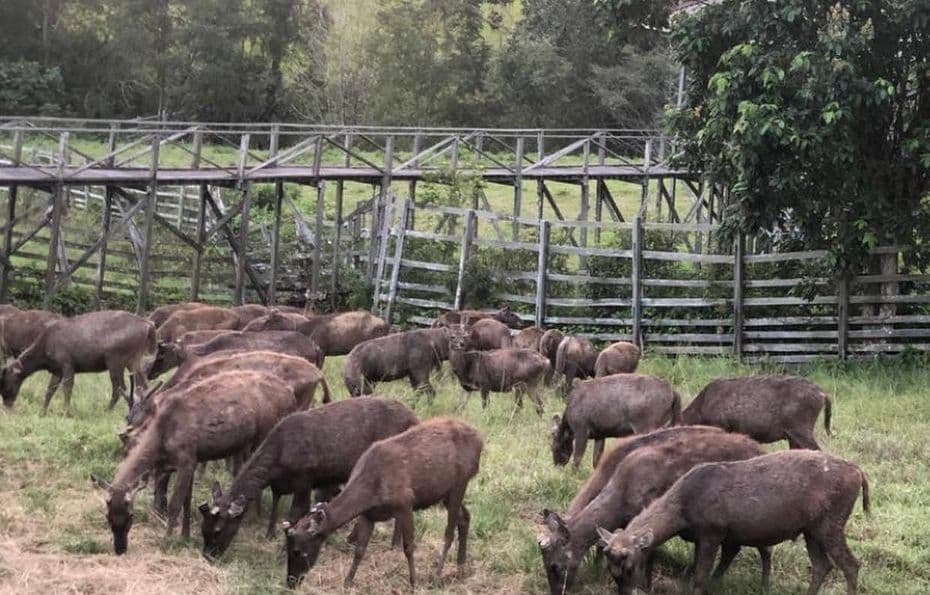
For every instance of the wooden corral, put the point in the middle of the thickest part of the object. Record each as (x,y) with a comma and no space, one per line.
(166,216)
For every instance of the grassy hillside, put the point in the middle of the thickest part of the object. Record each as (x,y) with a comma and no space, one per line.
(54,537)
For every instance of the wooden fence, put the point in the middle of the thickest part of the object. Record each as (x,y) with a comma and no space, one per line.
(672,288)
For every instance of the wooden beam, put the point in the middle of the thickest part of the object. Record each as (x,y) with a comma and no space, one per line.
(201,241)
(542,263)
(464,255)
(145,281)
(231,240)
(398,256)
(55,223)
(842,307)
(11,219)
(518,187)
(243,244)
(739,281)
(318,233)
(636,278)
(275,243)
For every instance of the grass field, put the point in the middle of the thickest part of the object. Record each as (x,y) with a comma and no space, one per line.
(54,537)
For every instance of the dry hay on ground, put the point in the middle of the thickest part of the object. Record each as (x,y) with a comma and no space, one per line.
(23,571)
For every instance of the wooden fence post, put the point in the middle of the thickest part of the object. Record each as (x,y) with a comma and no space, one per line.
(58,194)
(464,255)
(540,182)
(542,263)
(398,256)
(10,218)
(273,146)
(379,205)
(145,274)
(318,232)
(518,188)
(107,219)
(842,306)
(201,239)
(739,273)
(637,281)
(385,236)
(242,262)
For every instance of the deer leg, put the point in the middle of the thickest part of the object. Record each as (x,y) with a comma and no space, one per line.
(183,482)
(728,553)
(765,556)
(802,439)
(820,563)
(484,398)
(160,495)
(362,531)
(464,522)
(53,383)
(706,552)
(834,542)
(117,383)
(453,510)
(598,451)
(186,519)
(405,519)
(273,515)
(581,443)
(300,505)
(67,386)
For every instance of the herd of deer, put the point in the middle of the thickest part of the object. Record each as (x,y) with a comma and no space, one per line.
(247,379)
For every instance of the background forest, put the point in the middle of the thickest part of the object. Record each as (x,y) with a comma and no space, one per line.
(553,63)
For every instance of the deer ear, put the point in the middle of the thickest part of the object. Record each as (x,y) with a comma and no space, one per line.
(99,482)
(556,419)
(204,509)
(604,537)
(237,507)
(644,540)
(287,528)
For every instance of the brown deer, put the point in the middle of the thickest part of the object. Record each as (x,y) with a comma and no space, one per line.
(430,463)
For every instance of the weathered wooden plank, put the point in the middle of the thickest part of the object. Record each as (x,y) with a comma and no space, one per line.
(579,320)
(406,213)
(890,333)
(793,321)
(683,302)
(789,301)
(776,283)
(464,255)
(677,322)
(423,287)
(687,257)
(785,256)
(787,335)
(691,349)
(542,270)
(900,319)
(887,347)
(693,283)
(588,303)
(636,310)
(739,282)
(421,303)
(142,304)
(897,278)
(688,338)
(790,348)
(439,237)
(428,266)
(784,359)
(504,244)
(889,299)
(575,250)
(680,227)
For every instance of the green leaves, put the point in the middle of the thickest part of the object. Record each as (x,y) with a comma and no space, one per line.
(814,112)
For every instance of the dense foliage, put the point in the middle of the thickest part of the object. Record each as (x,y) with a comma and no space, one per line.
(410,62)
(816,113)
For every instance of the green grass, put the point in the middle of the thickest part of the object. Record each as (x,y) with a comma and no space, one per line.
(50,512)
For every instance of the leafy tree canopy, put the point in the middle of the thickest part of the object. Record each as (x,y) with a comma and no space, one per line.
(816,114)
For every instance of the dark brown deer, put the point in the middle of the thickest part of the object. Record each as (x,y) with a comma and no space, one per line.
(768,408)
(305,451)
(549,347)
(618,358)
(504,315)
(219,417)
(302,376)
(109,340)
(412,355)
(760,503)
(249,312)
(19,330)
(430,463)
(575,358)
(279,321)
(160,315)
(642,476)
(611,407)
(529,338)
(499,370)
(490,334)
(288,342)
(197,319)
(338,334)
(171,355)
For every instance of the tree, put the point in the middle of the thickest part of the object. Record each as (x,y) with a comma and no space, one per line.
(28,88)
(816,114)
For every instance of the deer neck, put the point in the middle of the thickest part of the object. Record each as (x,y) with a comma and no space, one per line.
(663,517)
(140,459)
